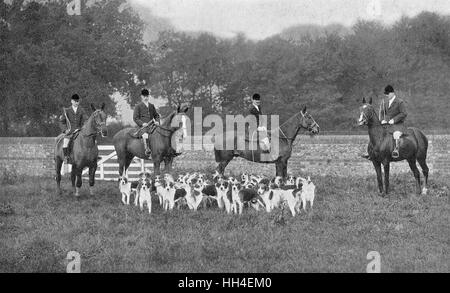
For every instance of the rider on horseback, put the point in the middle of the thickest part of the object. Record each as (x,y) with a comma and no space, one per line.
(256,111)
(392,113)
(70,123)
(145,115)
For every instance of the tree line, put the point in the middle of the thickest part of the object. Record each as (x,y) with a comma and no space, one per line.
(46,55)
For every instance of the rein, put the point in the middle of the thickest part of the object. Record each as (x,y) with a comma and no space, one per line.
(303,115)
(170,130)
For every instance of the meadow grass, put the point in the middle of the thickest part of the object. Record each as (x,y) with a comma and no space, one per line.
(349,219)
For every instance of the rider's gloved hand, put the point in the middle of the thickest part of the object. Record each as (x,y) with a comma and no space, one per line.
(383,122)
(262,128)
(391,121)
(145,125)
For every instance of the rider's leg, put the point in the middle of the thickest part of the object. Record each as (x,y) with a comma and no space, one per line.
(66,153)
(397,135)
(148,152)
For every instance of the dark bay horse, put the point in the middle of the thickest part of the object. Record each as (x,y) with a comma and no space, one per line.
(287,133)
(128,147)
(413,147)
(84,150)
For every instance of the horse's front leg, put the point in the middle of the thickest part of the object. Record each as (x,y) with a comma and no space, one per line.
(92,170)
(73,177)
(285,169)
(79,181)
(386,177)
(168,164)
(377,166)
(156,167)
(278,169)
(58,165)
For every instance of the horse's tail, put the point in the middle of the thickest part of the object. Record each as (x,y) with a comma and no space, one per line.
(422,143)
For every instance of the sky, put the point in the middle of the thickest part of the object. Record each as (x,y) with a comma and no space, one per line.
(259,19)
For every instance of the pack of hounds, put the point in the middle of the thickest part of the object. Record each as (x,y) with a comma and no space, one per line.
(231,194)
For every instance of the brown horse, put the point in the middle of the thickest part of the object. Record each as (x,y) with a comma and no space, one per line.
(128,147)
(287,133)
(84,151)
(413,147)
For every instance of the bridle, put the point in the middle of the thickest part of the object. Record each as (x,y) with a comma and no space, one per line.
(98,124)
(310,127)
(366,119)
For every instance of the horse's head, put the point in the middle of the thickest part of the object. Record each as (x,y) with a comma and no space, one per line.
(308,122)
(367,113)
(99,118)
(179,118)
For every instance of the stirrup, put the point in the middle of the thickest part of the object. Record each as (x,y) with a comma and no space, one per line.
(148,153)
(395,154)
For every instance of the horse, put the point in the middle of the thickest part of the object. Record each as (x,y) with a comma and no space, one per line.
(288,133)
(127,147)
(85,151)
(413,147)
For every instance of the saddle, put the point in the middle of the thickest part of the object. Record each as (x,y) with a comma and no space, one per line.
(71,138)
(138,132)
(252,138)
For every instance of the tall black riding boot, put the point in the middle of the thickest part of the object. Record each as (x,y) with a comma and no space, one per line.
(148,151)
(66,156)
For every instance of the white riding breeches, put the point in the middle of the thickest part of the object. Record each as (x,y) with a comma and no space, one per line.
(397,134)
(145,135)
(66,142)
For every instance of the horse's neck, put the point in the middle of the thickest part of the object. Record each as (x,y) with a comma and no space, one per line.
(87,130)
(376,132)
(290,131)
(166,121)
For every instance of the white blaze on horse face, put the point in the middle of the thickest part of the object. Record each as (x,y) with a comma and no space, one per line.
(361,118)
(183,125)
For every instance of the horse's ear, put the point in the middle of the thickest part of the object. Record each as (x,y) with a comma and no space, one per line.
(103,106)
(304,110)
(364,100)
(93,107)
(370,101)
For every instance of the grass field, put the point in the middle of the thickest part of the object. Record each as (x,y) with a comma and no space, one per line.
(412,234)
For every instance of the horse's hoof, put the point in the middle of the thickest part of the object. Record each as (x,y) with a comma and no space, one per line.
(424,191)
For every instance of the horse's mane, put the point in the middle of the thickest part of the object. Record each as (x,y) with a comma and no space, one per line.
(165,121)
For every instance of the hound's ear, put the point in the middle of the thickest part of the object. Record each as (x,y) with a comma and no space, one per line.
(93,107)
(364,100)
(304,110)
(103,106)
(370,101)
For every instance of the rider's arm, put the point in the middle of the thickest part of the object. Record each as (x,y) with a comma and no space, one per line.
(62,123)
(137,115)
(256,113)
(83,118)
(402,113)
(155,114)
